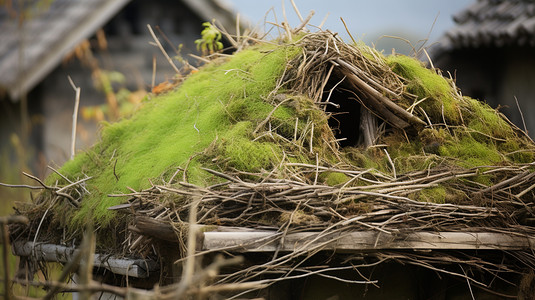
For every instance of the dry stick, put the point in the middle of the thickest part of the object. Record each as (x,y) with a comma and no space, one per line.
(61,175)
(31,187)
(69,267)
(391,163)
(161,49)
(261,124)
(521,115)
(153,82)
(39,181)
(347,30)
(295,131)
(189,265)
(74,115)
(304,23)
(238,28)
(382,99)
(285,24)
(5,243)
(324,20)
(72,184)
(324,83)
(429,58)
(229,37)
(366,76)
(297,11)
(401,39)
(504,183)
(312,138)
(86,268)
(525,191)
(379,108)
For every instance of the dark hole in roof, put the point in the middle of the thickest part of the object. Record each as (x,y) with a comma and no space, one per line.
(347,117)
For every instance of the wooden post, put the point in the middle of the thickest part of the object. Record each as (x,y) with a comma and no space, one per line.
(4,222)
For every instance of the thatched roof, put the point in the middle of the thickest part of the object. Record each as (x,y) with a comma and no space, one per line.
(305,133)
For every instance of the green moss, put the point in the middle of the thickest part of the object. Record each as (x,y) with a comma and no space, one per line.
(425,83)
(243,154)
(441,194)
(486,180)
(470,152)
(484,120)
(334,178)
(435,194)
(219,103)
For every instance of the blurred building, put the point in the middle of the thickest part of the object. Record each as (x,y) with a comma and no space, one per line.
(491,54)
(43,42)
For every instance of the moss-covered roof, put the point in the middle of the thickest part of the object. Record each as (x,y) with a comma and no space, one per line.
(269,109)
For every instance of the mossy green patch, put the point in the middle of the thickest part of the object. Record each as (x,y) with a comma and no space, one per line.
(485,120)
(334,178)
(470,152)
(244,155)
(441,194)
(439,94)
(167,132)
(435,194)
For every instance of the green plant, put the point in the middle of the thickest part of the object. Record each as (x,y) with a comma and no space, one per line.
(210,41)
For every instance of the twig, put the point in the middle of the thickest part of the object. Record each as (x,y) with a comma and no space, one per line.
(32,187)
(153,81)
(297,11)
(304,23)
(521,115)
(163,50)
(189,265)
(429,59)
(347,30)
(324,20)
(238,28)
(5,242)
(67,270)
(74,116)
(391,163)
(86,264)
(39,181)
(73,184)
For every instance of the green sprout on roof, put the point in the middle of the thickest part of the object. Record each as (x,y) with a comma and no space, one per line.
(210,41)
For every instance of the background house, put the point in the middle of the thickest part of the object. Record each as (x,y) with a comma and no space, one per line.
(44,42)
(491,53)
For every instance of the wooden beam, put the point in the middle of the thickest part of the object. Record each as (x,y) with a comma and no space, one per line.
(139,268)
(265,241)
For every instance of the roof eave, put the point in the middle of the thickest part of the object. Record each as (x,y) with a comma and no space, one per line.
(30,77)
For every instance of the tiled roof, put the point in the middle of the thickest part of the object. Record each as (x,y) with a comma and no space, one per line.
(492,23)
(30,51)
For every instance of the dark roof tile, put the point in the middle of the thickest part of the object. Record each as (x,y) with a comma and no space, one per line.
(52,31)
(46,36)
(491,23)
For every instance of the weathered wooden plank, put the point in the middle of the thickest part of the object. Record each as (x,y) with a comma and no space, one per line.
(139,268)
(254,241)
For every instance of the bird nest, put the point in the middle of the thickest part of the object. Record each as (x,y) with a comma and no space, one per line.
(318,136)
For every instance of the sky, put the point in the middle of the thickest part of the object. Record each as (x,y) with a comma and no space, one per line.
(366,20)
